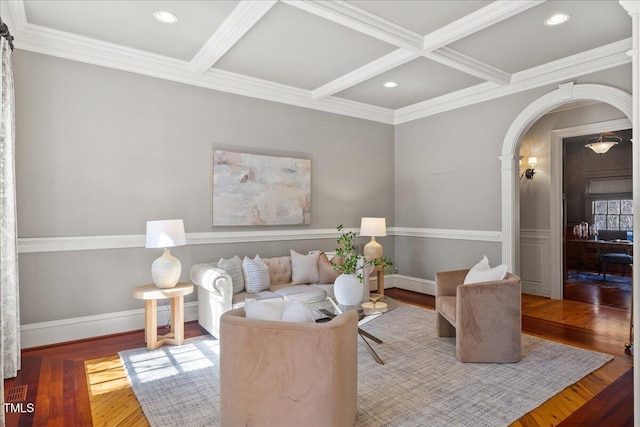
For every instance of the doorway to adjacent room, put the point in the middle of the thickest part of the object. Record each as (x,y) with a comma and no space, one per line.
(598,219)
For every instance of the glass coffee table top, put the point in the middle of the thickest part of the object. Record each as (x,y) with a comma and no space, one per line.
(368,310)
(378,304)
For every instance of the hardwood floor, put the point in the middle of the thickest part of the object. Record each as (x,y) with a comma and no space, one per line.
(592,288)
(83,383)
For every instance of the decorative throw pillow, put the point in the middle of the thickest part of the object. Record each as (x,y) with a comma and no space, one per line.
(326,273)
(270,309)
(482,272)
(233,266)
(304,268)
(296,310)
(256,274)
(482,265)
(293,310)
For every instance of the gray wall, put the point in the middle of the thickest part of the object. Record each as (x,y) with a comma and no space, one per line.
(448,177)
(101,151)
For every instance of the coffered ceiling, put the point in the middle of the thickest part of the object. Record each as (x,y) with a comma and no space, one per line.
(336,55)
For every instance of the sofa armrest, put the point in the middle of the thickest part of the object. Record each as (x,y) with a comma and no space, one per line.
(213,279)
(448,281)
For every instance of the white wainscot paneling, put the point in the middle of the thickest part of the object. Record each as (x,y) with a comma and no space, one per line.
(535,262)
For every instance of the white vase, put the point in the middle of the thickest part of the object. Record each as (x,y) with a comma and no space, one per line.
(166,270)
(348,289)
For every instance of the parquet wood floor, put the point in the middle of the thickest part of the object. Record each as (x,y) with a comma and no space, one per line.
(83,383)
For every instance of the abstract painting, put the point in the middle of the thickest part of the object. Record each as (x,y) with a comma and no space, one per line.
(254,189)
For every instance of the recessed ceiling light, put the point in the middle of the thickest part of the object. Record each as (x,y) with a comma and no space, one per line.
(557,19)
(390,84)
(166,17)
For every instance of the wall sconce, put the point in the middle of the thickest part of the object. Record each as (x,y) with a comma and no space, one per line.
(533,161)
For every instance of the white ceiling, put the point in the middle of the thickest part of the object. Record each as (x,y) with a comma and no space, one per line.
(335,55)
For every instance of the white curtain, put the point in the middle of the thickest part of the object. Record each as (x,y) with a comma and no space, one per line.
(9,303)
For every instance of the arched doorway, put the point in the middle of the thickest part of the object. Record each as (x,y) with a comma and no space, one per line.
(565,94)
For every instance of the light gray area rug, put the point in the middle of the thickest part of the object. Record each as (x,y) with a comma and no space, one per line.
(421,384)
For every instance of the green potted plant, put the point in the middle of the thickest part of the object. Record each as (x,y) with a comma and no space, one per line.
(348,287)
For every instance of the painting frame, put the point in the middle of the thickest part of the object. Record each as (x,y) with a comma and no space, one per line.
(251,189)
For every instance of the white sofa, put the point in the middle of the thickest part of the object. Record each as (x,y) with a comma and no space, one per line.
(216,295)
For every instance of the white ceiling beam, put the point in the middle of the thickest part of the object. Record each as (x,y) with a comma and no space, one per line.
(372,69)
(591,61)
(479,20)
(245,15)
(461,62)
(360,20)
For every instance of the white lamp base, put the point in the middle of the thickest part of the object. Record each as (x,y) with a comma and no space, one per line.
(166,270)
(372,250)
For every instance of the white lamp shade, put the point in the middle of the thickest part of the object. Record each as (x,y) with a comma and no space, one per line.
(373,227)
(533,161)
(165,233)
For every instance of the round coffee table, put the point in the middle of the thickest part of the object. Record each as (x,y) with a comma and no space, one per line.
(366,311)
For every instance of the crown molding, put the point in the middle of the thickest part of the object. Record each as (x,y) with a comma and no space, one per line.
(632,7)
(598,59)
(256,88)
(52,42)
(245,15)
(372,69)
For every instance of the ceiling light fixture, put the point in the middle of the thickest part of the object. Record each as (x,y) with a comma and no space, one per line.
(166,17)
(601,144)
(557,19)
(390,84)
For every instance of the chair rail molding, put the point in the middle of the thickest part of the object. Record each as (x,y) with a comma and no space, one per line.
(127,241)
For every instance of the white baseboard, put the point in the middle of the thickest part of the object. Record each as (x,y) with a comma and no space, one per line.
(414,284)
(57,331)
(78,328)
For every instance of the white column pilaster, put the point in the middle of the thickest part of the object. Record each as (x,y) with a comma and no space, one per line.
(633,8)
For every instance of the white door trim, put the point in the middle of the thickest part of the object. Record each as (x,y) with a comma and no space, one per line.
(556,211)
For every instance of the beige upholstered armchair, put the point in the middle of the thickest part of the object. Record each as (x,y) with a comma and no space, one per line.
(484,317)
(288,374)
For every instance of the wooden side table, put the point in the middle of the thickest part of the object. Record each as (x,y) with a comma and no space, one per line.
(151,294)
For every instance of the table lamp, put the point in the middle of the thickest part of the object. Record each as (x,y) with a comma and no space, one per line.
(373,227)
(167,233)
